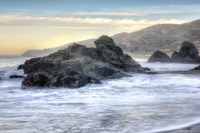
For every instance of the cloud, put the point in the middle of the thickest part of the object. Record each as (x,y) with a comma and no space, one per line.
(106,13)
(140,11)
(126,18)
(50,28)
(78,22)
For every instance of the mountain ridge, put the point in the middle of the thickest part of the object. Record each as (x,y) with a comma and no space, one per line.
(165,37)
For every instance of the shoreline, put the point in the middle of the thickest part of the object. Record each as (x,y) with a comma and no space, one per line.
(188,129)
(192,127)
(179,72)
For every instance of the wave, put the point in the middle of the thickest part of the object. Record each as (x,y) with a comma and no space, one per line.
(6,72)
(13,72)
(153,103)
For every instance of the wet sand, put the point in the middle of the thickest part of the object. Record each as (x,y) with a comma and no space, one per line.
(191,129)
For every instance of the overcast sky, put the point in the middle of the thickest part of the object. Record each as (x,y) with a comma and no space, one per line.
(39,24)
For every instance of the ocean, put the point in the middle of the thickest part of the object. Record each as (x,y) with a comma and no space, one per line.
(138,104)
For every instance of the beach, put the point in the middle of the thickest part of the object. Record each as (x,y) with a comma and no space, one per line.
(191,129)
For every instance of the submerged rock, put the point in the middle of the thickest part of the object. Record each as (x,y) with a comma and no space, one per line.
(159,56)
(15,76)
(188,53)
(197,68)
(78,65)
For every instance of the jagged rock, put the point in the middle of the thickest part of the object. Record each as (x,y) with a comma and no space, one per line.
(78,65)
(114,55)
(197,68)
(188,49)
(188,54)
(159,56)
(20,67)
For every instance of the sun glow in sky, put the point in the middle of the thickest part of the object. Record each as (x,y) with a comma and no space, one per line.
(40,24)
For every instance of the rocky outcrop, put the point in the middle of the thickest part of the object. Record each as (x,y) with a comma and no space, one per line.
(159,56)
(78,65)
(176,57)
(188,54)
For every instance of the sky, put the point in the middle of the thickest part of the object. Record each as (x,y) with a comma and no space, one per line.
(41,24)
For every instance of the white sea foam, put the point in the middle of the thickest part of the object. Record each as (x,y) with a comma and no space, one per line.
(142,103)
(10,83)
(157,66)
(11,72)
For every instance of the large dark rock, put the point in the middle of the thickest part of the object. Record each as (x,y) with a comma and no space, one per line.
(188,53)
(114,55)
(159,56)
(176,56)
(78,65)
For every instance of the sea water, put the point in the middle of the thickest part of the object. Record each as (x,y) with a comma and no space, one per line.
(138,104)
